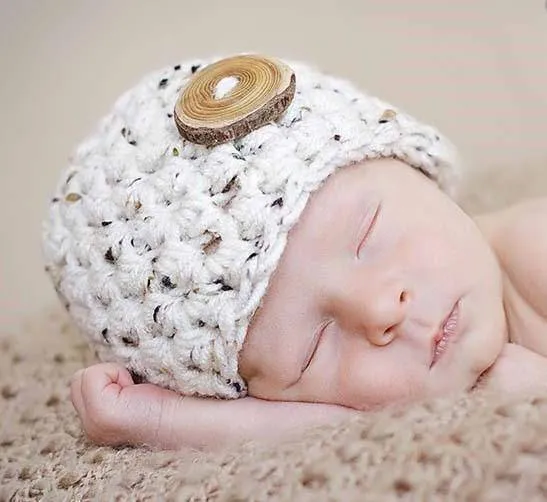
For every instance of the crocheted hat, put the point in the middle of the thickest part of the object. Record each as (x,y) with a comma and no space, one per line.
(162,248)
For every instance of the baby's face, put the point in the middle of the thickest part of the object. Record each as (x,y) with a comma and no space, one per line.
(354,312)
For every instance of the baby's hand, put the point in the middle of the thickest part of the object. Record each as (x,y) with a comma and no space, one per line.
(114,410)
(516,370)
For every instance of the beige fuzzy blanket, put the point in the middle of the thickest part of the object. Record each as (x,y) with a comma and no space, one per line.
(477,447)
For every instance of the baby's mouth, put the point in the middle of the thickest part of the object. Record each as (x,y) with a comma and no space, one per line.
(445,335)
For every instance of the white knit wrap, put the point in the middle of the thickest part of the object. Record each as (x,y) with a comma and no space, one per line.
(162,249)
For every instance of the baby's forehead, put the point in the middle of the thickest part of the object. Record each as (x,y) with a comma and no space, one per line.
(353,195)
(366,181)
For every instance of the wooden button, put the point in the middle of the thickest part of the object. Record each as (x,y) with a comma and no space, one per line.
(232,97)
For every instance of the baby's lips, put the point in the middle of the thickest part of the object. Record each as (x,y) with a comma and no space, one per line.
(446,331)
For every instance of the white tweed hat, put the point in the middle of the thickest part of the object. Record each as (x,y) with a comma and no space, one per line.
(162,249)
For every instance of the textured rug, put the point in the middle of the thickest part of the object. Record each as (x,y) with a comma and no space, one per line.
(476,447)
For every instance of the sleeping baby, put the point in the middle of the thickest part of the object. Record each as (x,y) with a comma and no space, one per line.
(252,247)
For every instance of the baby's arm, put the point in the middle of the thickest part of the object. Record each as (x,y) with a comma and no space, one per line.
(518,235)
(115,411)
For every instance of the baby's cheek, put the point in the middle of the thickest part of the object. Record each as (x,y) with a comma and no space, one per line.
(373,381)
(262,388)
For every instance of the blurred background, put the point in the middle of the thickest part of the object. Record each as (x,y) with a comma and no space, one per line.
(475,69)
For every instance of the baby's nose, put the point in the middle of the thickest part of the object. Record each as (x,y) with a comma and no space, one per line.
(374,310)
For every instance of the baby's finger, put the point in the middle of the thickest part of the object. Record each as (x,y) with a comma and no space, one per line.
(110,373)
(76,391)
(103,378)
